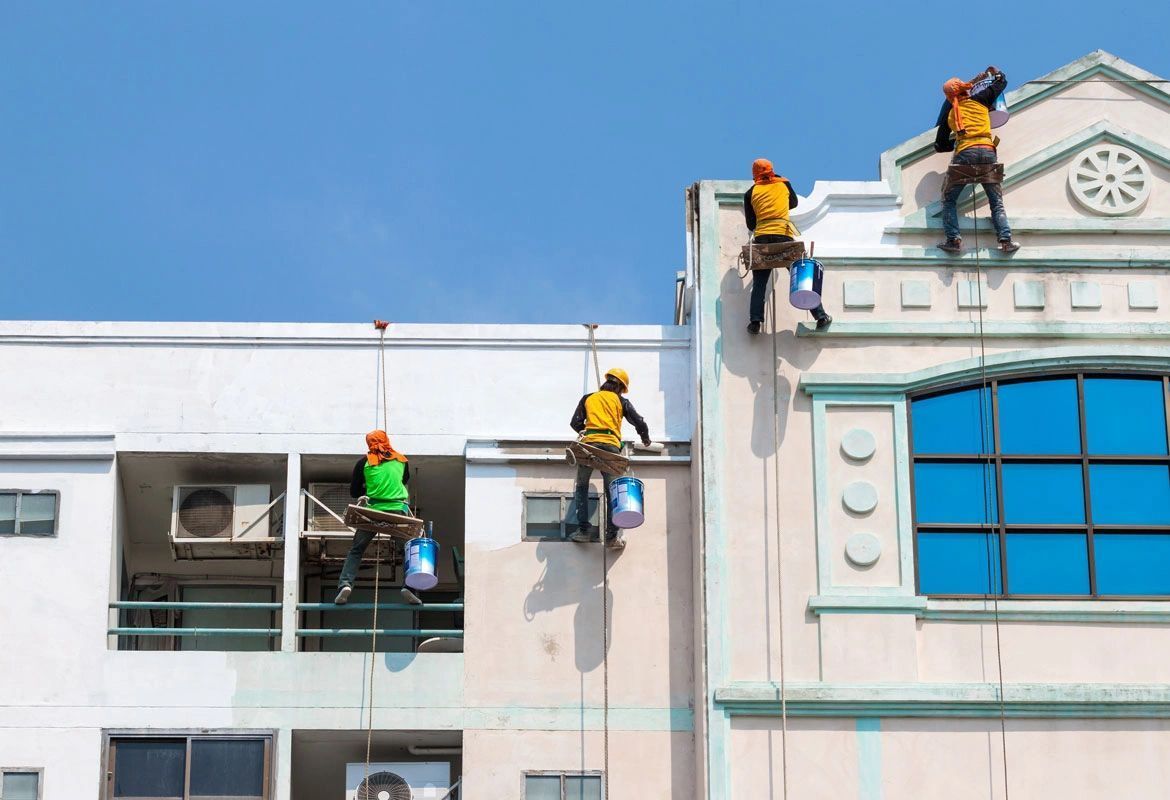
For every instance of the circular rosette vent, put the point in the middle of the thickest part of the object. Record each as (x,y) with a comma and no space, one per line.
(1110,179)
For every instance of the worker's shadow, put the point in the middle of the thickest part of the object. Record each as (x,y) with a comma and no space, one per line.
(751,357)
(572,576)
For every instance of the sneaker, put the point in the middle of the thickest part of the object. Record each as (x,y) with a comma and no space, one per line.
(824,322)
(1008,246)
(342,595)
(410,596)
(616,541)
(754,327)
(951,246)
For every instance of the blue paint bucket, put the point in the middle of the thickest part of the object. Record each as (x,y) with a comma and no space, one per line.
(421,554)
(625,502)
(999,114)
(805,280)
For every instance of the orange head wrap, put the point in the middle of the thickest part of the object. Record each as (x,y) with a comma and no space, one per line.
(380,449)
(763,172)
(956,89)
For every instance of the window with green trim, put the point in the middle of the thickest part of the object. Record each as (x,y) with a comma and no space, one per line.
(1043,487)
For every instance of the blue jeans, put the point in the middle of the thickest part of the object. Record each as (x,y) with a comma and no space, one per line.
(353,561)
(581,491)
(968,157)
(760,278)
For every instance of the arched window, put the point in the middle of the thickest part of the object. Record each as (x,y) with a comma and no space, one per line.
(1043,487)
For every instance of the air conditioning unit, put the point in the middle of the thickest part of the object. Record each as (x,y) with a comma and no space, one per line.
(333,495)
(222,521)
(404,780)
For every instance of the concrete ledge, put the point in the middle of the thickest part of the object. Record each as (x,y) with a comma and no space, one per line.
(999,330)
(969,700)
(57,446)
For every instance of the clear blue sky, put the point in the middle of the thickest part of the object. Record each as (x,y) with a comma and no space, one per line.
(451,162)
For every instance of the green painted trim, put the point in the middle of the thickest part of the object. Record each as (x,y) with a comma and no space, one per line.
(570,718)
(1120,356)
(1062,611)
(918,223)
(713,539)
(996,330)
(861,602)
(869,758)
(950,700)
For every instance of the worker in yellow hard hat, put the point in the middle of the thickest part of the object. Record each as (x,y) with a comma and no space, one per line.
(598,421)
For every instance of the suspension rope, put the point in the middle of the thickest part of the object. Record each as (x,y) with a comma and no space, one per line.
(987,442)
(380,370)
(779,543)
(603,518)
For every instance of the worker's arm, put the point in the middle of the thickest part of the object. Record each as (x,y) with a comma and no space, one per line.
(577,423)
(406,473)
(943,143)
(357,483)
(994,89)
(793,200)
(636,420)
(749,213)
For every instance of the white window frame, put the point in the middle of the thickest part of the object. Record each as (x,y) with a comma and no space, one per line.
(566,499)
(56,512)
(562,774)
(38,771)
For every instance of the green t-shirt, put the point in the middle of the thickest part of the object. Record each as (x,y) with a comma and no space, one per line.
(385,488)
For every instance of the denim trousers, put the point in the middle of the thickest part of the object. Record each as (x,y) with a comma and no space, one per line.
(968,157)
(353,561)
(581,490)
(760,278)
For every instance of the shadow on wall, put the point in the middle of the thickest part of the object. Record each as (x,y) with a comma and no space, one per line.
(751,356)
(929,189)
(573,576)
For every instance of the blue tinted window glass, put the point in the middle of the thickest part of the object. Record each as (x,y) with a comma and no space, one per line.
(955,493)
(1043,493)
(1130,494)
(1132,563)
(949,423)
(958,563)
(1039,417)
(1047,563)
(1125,416)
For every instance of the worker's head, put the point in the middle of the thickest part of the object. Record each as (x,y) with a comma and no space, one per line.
(617,378)
(763,171)
(956,88)
(378,445)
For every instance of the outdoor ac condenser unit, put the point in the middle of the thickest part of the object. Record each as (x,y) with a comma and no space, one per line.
(336,497)
(217,511)
(400,780)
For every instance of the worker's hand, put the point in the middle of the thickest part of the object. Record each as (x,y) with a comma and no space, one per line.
(992,70)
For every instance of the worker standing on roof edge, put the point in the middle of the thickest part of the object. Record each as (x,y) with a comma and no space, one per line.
(968,117)
(381,476)
(598,420)
(765,210)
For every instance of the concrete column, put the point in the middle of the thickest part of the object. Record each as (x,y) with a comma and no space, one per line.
(292,557)
(283,788)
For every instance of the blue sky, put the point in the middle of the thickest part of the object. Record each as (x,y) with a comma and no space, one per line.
(450,162)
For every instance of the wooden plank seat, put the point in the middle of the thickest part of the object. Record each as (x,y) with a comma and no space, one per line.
(595,457)
(771,256)
(963,174)
(400,526)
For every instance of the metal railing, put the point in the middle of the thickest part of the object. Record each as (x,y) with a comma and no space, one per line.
(143,605)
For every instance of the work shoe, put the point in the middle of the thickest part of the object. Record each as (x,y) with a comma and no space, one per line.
(824,322)
(585,533)
(754,327)
(616,541)
(342,595)
(1008,246)
(951,246)
(410,596)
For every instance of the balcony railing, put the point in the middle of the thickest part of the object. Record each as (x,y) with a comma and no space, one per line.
(306,633)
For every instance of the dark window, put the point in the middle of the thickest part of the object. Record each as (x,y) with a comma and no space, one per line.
(28,513)
(20,784)
(1043,487)
(189,767)
(552,516)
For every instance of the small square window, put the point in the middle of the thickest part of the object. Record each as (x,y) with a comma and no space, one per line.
(28,513)
(562,786)
(553,517)
(20,784)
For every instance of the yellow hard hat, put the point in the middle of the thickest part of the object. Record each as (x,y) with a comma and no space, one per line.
(620,375)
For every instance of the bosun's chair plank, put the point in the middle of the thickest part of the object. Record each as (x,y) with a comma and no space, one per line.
(400,526)
(609,463)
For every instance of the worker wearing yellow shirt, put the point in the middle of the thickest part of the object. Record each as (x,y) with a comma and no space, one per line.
(598,420)
(964,126)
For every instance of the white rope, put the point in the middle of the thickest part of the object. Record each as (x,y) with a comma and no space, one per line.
(381,369)
(779,544)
